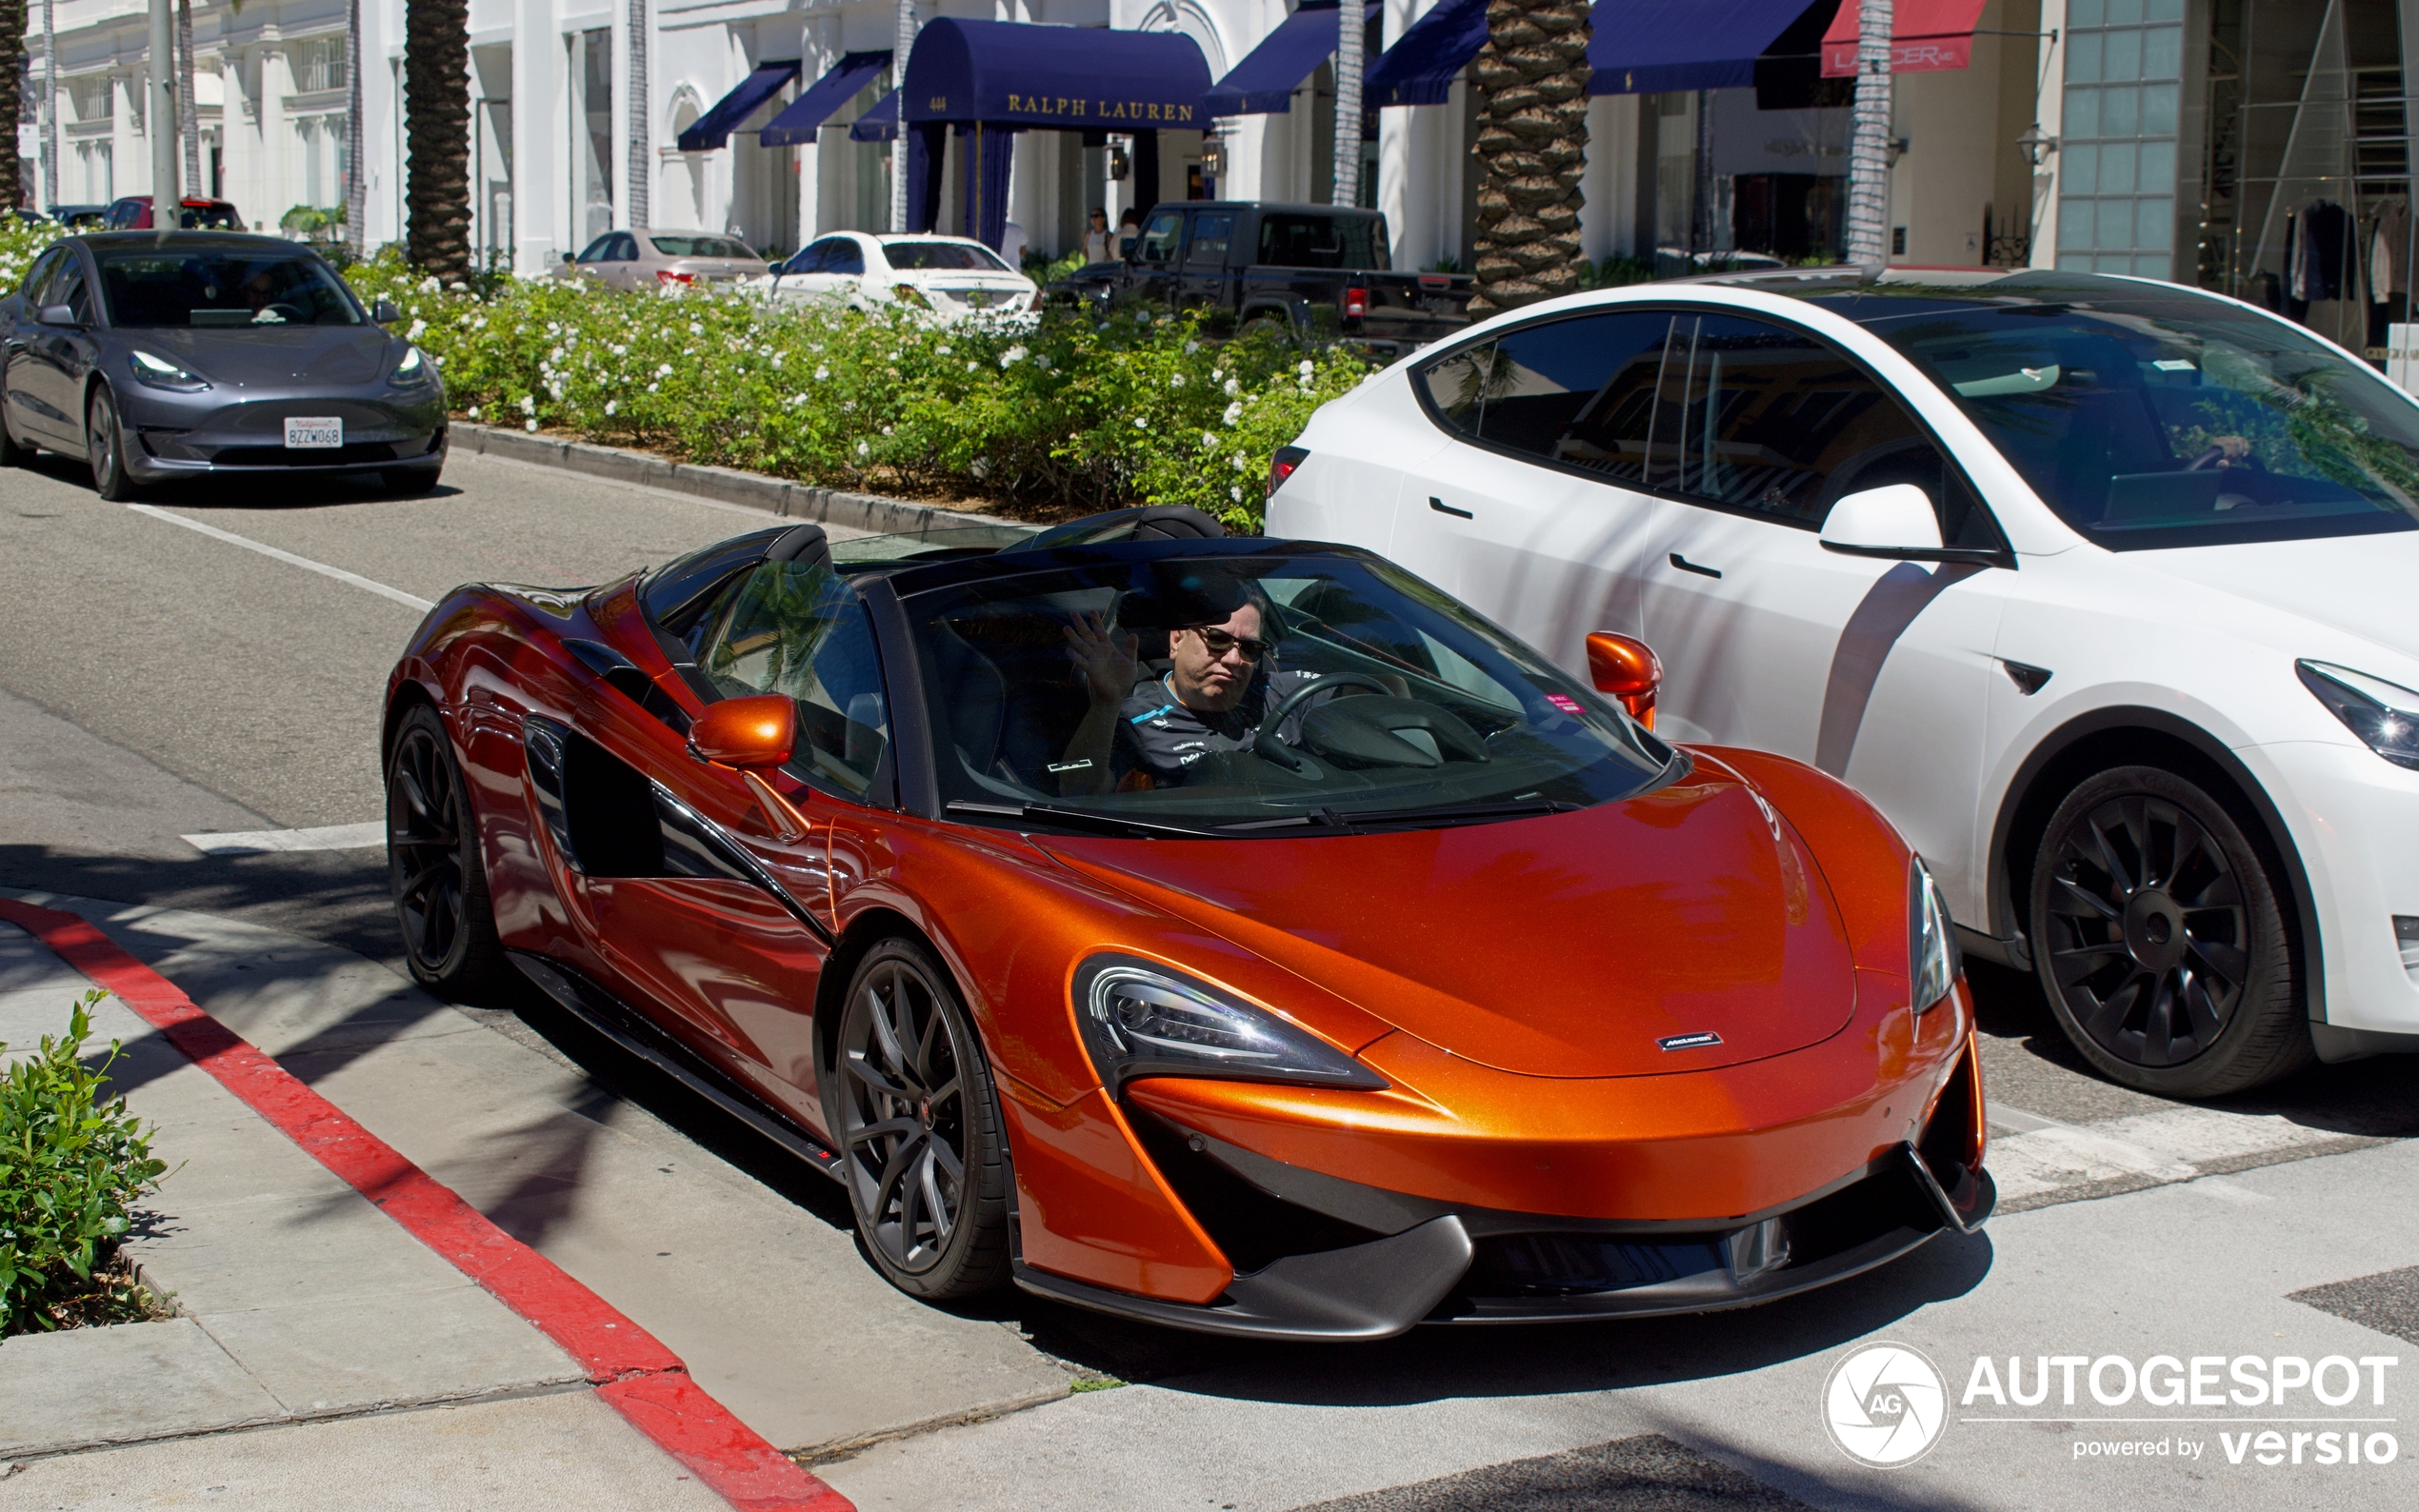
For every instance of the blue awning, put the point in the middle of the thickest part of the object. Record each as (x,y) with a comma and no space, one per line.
(1071,78)
(806,113)
(1648,46)
(880,121)
(1263,82)
(1421,65)
(713,128)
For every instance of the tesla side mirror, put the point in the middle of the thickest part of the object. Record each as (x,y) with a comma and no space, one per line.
(1627,668)
(1896,521)
(752,734)
(56,315)
(384,312)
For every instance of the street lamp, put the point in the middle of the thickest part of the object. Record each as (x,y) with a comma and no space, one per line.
(2035,143)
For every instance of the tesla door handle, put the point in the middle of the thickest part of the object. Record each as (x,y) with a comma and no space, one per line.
(1686,566)
(1442,507)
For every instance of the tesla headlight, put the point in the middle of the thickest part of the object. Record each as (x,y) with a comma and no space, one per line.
(158,373)
(414,368)
(1140,1019)
(2384,715)
(1932,960)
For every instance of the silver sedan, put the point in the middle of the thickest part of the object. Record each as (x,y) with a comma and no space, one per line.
(644,259)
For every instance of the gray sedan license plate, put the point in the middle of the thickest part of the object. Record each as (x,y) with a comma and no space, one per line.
(311,431)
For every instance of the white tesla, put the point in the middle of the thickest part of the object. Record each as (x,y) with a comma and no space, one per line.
(2106,591)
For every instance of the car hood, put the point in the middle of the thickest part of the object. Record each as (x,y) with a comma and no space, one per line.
(2351,583)
(276,356)
(1564,946)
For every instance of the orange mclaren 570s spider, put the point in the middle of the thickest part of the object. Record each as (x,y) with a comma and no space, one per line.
(1236,934)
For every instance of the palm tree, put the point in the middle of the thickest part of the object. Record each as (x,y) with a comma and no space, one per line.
(436,91)
(1868,142)
(11,81)
(188,115)
(1531,76)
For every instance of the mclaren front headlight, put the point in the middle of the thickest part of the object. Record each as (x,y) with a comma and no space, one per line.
(1933,962)
(1142,1018)
(2384,715)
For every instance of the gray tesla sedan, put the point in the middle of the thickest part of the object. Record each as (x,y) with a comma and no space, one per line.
(156,357)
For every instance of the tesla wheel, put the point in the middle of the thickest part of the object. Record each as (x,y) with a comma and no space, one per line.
(433,865)
(104,446)
(909,1099)
(2159,937)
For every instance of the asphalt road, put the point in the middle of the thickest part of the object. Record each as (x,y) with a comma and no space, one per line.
(157,682)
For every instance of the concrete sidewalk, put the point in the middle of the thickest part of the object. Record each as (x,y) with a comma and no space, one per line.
(304,1313)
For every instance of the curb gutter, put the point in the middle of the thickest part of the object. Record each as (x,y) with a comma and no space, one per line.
(753,490)
(634,1372)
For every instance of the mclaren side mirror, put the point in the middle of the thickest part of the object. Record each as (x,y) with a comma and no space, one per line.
(58,315)
(384,312)
(1627,668)
(753,735)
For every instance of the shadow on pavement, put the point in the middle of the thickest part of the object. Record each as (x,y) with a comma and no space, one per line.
(254,490)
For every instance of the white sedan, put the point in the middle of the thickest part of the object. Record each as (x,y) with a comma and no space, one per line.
(2100,588)
(952,276)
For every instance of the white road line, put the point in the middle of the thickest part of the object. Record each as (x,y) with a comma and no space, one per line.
(2165,1147)
(262,842)
(408,600)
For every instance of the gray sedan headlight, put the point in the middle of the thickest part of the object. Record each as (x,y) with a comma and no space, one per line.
(1141,1019)
(154,372)
(2384,715)
(1933,960)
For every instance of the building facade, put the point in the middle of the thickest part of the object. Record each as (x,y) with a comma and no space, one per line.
(591,115)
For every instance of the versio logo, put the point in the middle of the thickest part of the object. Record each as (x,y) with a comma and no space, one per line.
(1885,1405)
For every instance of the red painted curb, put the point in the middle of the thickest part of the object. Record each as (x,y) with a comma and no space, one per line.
(642,1380)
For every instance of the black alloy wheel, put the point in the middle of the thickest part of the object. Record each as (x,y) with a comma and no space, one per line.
(909,1099)
(105,447)
(2160,940)
(432,864)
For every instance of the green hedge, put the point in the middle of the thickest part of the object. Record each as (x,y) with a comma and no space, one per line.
(72,1162)
(1066,412)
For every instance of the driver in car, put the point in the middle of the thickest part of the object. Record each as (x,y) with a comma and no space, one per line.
(1143,733)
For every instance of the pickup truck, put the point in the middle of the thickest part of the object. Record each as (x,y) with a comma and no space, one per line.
(1317,271)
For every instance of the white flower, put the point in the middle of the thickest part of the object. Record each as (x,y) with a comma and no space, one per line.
(1242,462)
(1191,346)
(556,355)
(850,408)
(1042,363)
(1234,411)
(1234,386)
(459,286)
(1208,441)
(821,373)
(665,370)
(889,430)
(1175,380)
(419,328)
(1012,357)
(651,387)
(531,425)
(474,411)
(529,406)
(1235,493)
(429,284)
(981,468)
(695,328)
(943,348)
(864,449)
(1140,423)
(1308,367)
(976,366)
(613,406)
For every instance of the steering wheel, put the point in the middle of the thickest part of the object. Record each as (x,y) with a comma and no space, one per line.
(1266,744)
(2216,454)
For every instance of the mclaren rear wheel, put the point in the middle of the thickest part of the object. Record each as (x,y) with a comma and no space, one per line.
(910,1097)
(2160,938)
(105,446)
(433,865)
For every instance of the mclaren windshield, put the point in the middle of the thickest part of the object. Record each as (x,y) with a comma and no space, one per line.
(2149,415)
(1253,693)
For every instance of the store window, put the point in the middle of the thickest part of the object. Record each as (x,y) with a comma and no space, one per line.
(2116,193)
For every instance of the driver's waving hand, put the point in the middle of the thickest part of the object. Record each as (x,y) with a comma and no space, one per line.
(1148,732)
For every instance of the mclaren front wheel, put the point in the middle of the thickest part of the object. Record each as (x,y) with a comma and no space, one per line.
(433,865)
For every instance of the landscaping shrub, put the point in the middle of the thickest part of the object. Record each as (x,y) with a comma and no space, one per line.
(1070,412)
(72,1162)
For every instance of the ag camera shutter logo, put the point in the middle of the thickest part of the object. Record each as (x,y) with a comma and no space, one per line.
(1884,1406)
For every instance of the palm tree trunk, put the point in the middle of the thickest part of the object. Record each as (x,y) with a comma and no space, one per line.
(189,113)
(1531,76)
(49,107)
(12,76)
(357,181)
(436,88)
(1869,144)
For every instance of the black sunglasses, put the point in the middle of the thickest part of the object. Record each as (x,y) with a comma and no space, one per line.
(1220,642)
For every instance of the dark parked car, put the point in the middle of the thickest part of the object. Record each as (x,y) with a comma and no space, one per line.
(133,214)
(160,356)
(81,217)
(1321,272)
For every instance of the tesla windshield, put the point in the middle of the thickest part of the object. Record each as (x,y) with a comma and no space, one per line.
(2153,416)
(1259,693)
(152,285)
